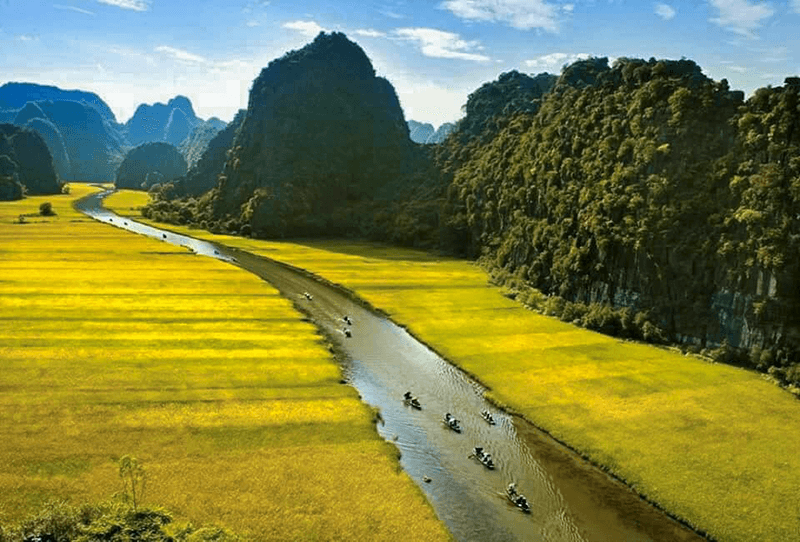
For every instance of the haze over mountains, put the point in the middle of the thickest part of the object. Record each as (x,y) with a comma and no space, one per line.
(82,133)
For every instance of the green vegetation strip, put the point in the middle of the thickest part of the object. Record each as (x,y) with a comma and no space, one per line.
(113,344)
(716,445)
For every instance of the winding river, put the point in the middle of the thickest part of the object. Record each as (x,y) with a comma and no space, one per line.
(571,501)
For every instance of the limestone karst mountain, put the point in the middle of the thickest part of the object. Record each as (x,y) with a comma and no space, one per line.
(14,96)
(322,135)
(195,144)
(150,164)
(93,147)
(171,122)
(425,133)
(25,164)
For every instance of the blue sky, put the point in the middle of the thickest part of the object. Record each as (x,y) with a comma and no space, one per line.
(434,52)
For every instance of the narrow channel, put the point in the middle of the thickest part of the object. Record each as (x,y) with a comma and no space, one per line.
(571,501)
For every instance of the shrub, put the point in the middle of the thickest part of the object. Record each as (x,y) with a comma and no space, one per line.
(46,209)
(554,306)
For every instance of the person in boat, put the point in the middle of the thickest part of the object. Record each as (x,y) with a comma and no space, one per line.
(478,451)
(512,488)
(347,332)
(347,320)
(407,396)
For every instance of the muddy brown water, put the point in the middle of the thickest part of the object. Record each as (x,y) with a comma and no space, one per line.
(570,499)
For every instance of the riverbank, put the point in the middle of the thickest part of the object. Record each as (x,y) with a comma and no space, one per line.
(114,344)
(712,444)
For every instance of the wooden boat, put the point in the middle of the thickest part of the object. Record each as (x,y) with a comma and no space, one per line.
(486,415)
(483,458)
(517,499)
(411,401)
(451,422)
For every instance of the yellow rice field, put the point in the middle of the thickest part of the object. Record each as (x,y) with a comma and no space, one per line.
(112,344)
(713,444)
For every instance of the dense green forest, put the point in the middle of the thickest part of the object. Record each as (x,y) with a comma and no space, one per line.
(26,165)
(642,199)
(150,164)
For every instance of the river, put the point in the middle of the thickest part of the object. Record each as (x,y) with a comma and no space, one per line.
(571,500)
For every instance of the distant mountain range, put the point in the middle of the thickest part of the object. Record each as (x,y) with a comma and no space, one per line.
(425,133)
(84,138)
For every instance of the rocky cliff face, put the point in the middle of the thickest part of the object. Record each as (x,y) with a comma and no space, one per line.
(646,185)
(425,133)
(193,147)
(93,148)
(322,134)
(203,175)
(420,132)
(171,122)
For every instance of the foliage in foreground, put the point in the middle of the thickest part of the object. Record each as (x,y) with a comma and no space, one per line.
(110,521)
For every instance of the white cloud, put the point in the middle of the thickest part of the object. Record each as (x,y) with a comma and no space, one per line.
(427,101)
(795,6)
(181,55)
(741,16)
(570,7)
(392,14)
(369,33)
(135,5)
(28,38)
(665,11)
(73,8)
(554,61)
(307,28)
(253,24)
(737,69)
(440,44)
(522,14)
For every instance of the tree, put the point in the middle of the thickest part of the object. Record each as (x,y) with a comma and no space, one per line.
(134,479)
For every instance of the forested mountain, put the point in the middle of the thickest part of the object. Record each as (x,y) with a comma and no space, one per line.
(322,137)
(55,142)
(14,96)
(647,186)
(150,164)
(92,145)
(647,199)
(425,133)
(420,132)
(25,164)
(171,122)
(203,176)
(195,144)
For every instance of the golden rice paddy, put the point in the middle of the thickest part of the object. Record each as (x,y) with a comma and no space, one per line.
(113,344)
(713,444)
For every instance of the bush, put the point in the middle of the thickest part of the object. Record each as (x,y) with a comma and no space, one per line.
(46,209)
(554,306)
(112,521)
